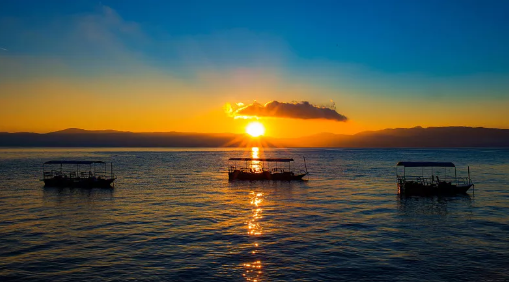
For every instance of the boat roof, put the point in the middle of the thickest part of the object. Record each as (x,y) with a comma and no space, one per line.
(74,162)
(262,160)
(426,164)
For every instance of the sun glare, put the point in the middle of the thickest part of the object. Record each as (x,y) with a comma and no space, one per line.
(255,129)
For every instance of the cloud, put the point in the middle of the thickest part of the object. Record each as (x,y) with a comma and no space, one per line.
(91,45)
(101,36)
(296,110)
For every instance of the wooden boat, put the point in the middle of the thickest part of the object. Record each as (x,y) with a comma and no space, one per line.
(73,174)
(431,184)
(254,169)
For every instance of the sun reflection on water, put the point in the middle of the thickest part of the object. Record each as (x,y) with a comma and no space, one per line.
(253,270)
(256,166)
(255,152)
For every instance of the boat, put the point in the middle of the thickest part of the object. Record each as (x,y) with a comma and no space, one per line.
(254,169)
(431,184)
(78,174)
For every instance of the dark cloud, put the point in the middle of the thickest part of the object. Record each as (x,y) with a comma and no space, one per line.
(298,110)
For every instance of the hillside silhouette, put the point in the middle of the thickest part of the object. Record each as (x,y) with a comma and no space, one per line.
(387,138)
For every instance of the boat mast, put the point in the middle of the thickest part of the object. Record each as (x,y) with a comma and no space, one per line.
(469,175)
(470,181)
(305,166)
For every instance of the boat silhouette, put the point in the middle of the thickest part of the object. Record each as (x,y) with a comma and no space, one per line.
(72,174)
(254,169)
(431,184)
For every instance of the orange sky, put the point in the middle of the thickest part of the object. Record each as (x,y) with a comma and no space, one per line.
(158,103)
(119,74)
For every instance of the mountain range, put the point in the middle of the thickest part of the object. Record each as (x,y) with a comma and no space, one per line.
(416,137)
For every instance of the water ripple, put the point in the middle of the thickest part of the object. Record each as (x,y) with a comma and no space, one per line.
(174,216)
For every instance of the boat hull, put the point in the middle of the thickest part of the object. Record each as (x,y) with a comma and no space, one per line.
(413,188)
(79,182)
(284,176)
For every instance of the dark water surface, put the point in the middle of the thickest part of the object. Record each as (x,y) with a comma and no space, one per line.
(173,216)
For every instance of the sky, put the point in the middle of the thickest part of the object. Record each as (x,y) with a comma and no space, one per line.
(215,66)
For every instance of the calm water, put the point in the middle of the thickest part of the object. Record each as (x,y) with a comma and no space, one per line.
(173,216)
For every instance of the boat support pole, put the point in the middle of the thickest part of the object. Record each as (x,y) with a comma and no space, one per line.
(470,180)
(111,171)
(468,167)
(305,166)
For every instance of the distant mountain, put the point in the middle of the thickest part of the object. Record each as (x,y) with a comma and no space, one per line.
(388,138)
(109,138)
(316,140)
(416,137)
(83,131)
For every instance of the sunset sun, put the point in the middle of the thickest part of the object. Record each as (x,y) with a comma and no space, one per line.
(255,129)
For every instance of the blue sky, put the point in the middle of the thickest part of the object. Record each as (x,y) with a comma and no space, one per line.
(367,56)
(439,38)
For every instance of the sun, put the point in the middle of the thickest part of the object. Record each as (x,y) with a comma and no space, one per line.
(255,129)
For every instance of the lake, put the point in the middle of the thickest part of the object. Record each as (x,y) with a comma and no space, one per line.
(174,216)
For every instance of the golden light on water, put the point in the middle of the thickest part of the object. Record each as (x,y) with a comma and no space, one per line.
(253,269)
(255,152)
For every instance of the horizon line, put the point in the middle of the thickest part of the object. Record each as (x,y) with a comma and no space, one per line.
(191,132)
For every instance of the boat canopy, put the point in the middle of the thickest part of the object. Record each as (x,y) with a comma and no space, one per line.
(426,164)
(262,160)
(75,162)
